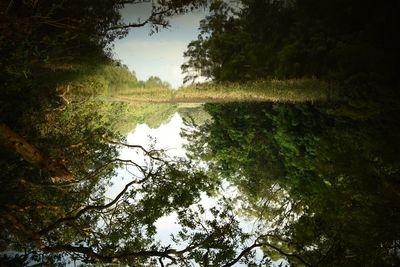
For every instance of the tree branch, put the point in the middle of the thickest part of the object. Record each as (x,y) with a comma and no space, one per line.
(30,153)
(151,19)
(243,253)
(104,166)
(92,207)
(288,254)
(149,153)
(130,2)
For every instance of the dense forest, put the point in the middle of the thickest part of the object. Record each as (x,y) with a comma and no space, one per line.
(316,179)
(342,41)
(320,178)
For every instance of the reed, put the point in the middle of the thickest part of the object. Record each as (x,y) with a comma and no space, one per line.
(294,90)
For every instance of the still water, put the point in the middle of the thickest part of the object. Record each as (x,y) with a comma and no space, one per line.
(168,136)
(310,177)
(305,184)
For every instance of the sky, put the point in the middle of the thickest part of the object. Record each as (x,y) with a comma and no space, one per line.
(160,54)
(167,137)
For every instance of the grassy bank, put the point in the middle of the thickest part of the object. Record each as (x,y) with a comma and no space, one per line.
(299,90)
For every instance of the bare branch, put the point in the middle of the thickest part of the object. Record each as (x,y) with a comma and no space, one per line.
(161,262)
(149,153)
(287,254)
(93,207)
(151,19)
(104,166)
(243,253)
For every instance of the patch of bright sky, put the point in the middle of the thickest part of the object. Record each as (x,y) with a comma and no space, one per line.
(160,54)
(168,137)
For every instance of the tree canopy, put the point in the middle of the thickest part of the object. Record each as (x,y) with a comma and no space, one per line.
(317,179)
(297,167)
(348,42)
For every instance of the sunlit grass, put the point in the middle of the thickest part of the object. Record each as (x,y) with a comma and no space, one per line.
(295,90)
(148,95)
(273,90)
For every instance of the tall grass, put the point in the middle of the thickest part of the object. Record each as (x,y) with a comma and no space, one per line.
(295,90)
(271,90)
(146,94)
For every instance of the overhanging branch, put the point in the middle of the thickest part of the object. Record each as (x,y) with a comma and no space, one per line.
(93,207)
(242,254)
(288,254)
(155,19)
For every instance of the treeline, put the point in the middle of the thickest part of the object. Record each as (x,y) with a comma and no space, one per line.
(111,79)
(352,43)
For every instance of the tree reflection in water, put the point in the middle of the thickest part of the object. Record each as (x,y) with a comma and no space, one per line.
(322,179)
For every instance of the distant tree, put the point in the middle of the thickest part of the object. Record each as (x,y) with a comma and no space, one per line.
(154,82)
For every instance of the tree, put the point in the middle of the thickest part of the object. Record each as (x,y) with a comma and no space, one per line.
(51,50)
(337,41)
(122,229)
(155,82)
(49,47)
(314,176)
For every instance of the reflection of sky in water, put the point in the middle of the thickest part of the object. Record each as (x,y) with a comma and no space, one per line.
(167,137)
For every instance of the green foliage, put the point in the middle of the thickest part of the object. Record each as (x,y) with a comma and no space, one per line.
(318,180)
(195,113)
(298,167)
(151,114)
(340,42)
(74,135)
(155,82)
(111,79)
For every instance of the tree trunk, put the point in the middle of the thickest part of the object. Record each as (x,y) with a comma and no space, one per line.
(55,167)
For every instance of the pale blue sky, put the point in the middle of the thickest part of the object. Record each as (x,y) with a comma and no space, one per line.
(160,54)
(168,137)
